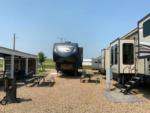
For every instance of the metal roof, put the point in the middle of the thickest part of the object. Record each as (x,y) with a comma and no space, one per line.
(8,51)
(132,32)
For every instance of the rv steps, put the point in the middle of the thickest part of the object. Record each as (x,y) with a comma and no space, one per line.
(130,84)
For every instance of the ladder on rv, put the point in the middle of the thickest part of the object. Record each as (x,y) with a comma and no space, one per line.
(135,80)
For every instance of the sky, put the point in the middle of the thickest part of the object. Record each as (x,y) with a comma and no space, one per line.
(38,24)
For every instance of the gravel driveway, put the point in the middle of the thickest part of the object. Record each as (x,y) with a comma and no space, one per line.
(68,95)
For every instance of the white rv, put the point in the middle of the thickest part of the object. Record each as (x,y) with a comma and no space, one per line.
(123,57)
(130,54)
(105,60)
(143,64)
(96,63)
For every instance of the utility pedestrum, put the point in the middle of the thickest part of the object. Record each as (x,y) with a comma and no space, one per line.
(10,88)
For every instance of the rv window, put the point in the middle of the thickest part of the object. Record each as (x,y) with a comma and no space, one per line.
(116,56)
(128,57)
(146,28)
(112,55)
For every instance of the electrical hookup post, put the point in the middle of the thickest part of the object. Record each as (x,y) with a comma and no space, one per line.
(108,79)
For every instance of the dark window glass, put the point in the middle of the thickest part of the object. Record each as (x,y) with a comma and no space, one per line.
(146,28)
(112,55)
(116,55)
(128,57)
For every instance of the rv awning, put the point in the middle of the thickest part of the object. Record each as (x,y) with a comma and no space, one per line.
(144,49)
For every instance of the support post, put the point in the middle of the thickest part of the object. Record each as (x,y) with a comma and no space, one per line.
(108,70)
(12,67)
(19,63)
(108,79)
(4,64)
(27,62)
(36,67)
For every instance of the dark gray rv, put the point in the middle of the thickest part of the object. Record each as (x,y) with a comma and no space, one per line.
(68,57)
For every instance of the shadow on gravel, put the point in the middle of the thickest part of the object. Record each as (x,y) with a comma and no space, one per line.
(70,76)
(91,81)
(46,84)
(143,89)
(24,100)
(94,81)
(1,88)
(116,85)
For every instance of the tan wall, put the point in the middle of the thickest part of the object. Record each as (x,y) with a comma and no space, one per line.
(120,66)
(143,67)
(125,68)
(107,58)
(140,66)
(102,59)
(114,67)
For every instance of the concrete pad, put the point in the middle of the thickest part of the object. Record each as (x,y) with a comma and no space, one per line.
(117,97)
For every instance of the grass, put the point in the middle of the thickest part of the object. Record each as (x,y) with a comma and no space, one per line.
(48,64)
(1,63)
(87,67)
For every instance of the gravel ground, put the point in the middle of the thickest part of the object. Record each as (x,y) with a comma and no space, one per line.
(68,95)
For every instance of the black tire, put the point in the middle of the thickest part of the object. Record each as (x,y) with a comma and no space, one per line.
(3,102)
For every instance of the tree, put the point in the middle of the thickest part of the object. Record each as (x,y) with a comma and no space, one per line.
(42,59)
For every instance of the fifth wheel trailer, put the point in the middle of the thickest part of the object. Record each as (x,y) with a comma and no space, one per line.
(144,47)
(68,57)
(130,54)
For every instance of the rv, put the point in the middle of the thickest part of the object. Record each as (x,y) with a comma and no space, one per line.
(130,54)
(96,63)
(68,57)
(143,64)
(105,60)
(123,57)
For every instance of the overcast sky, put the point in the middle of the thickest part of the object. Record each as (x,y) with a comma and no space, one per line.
(91,23)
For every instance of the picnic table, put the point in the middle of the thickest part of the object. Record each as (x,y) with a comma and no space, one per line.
(35,79)
(87,77)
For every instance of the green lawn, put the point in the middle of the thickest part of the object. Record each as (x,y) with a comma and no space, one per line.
(87,67)
(1,63)
(49,64)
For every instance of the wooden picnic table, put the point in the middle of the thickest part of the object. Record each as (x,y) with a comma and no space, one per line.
(84,78)
(35,79)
